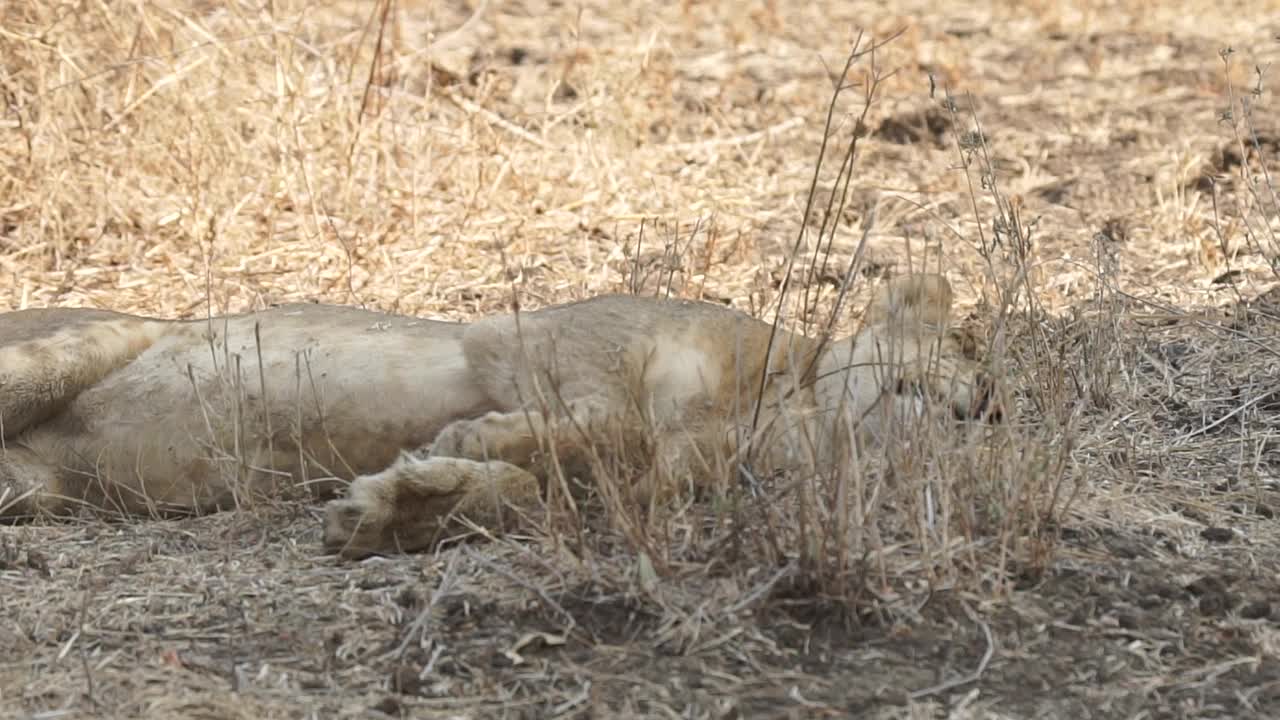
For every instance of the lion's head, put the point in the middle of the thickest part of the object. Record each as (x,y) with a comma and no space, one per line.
(906,358)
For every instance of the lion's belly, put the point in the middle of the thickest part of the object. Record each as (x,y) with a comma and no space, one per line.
(197,424)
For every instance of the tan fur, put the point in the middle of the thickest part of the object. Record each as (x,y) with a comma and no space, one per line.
(433,421)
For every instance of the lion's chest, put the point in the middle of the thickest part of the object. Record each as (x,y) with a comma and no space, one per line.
(679,377)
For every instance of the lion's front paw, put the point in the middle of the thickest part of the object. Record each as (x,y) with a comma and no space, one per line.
(458,439)
(400,509)
(495,436)
(352,531)
(417,503)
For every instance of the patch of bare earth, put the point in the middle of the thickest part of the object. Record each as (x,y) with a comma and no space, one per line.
(437,158)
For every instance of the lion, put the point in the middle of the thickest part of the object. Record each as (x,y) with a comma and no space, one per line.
(415,429)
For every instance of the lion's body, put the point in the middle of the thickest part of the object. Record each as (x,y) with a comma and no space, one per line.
(176,417)
(427,417)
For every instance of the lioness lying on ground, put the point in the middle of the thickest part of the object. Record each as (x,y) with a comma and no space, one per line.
(435,421)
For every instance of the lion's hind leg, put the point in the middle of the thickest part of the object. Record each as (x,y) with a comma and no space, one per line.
(418,502)
(48,356)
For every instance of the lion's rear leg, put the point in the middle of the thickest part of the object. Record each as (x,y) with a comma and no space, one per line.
(584,429)
(418,502)
(48,356)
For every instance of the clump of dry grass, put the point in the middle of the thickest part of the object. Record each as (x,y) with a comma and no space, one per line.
(936,506)
(1255,201)
(243,159)
(936,510)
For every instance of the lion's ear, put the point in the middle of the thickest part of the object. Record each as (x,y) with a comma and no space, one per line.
(919,298)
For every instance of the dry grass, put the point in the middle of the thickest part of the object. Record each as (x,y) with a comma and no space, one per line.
(1110,551)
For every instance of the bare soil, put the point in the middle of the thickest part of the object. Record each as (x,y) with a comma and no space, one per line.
(179,158)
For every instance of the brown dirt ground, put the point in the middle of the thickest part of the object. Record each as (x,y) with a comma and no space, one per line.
(175,158)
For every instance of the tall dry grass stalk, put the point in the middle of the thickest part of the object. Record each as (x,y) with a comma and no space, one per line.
(937,504)
(1255,212)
